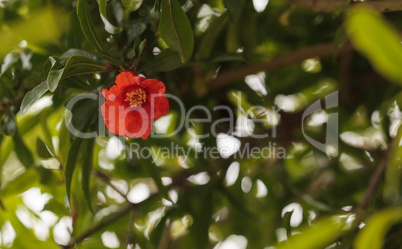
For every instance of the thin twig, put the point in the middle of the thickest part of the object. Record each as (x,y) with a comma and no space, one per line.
(108,181)
(374,181)
(107,221)
(233,75)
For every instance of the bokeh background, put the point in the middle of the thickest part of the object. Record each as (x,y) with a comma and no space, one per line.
(265,60)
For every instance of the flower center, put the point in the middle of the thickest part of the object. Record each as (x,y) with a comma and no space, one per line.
(136,97)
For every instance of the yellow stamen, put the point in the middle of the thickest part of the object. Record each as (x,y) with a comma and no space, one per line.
(136,97)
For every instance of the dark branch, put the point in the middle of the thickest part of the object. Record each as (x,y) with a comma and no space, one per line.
(332,5)
(321,50)
(374,181)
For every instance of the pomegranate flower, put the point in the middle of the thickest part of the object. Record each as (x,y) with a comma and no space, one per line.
(132,104)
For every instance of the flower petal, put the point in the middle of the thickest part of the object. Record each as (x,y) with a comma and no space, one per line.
(153,86)
(126,78)
(138,123)
(160,106)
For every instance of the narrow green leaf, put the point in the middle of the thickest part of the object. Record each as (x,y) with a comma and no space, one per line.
(42,150)
(9,125)
(22,151)
(32,96)
(393,173)
(21,183)
(132,5)
(75,65)
(71,162)
(54,78)
(324,232)
(87,163)
(167,60)
(175,29)
(87,25)
(234,8)
(64,136)
(46,133)
(373,234)
(83,112)
(286,222)
(375,38)
(139,53)
(103,14)
(211,35)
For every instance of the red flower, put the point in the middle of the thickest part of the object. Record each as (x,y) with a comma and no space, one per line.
(132,104)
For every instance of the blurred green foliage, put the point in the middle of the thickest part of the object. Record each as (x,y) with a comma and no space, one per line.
(60,191)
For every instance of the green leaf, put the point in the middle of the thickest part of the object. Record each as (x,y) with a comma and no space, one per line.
(74,36)
(75,65)
(140,48)
(167,60)
(372,235)
(83,112)
(175,29)
(54,78)
(323,232)
(9,125)
(87,163)
(286,222)
(376,39)
(103,14)
(393,173)
(42,150)
(71,162)
(87,25)
(132,5)
(234,8)
(21,183)
(64,135)
(22,151)
(46,133)
(32,96)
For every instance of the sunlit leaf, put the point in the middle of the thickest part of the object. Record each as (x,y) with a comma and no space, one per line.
(41,27)
(132,5)
(324,232)
(42,150)
(32,96)
(373,234)
(375,38)
(21,183)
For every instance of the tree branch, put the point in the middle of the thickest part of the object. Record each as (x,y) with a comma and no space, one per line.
(106,222)
(332,5)
(320,50)
(374,181)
